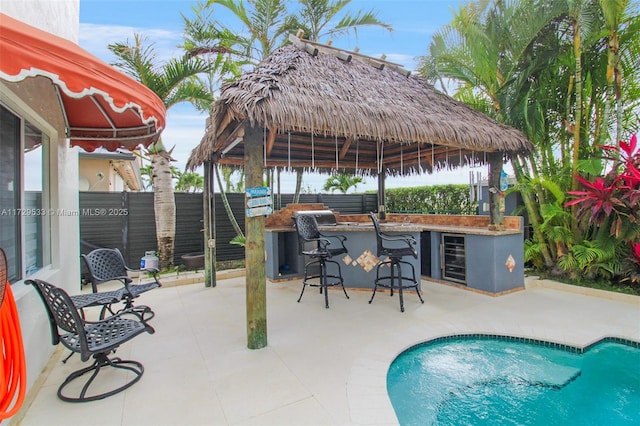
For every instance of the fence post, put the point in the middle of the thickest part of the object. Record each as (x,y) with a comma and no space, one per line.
(125,225)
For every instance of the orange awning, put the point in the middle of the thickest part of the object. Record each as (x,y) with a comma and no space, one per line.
(102,106)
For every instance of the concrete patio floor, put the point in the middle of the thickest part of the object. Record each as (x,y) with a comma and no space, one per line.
(321,366)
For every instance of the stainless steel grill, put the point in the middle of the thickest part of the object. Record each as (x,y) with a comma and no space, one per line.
(323,217)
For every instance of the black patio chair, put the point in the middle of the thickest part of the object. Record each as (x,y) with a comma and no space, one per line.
(321,253)
(95,339)
(106,264)
(395,247)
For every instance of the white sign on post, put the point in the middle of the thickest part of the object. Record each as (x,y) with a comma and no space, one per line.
(259,211)
(258,201)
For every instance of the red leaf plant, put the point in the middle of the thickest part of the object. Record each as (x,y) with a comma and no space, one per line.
(615,196)
(635,250)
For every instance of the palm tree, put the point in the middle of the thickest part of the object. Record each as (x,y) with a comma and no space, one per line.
(616,15)
(266,24)
(190,182)
(317,17)
(174,82)
(342,182)
(146,172)
(539,66)
(483,49)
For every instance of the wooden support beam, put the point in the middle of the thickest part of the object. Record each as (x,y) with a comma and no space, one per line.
(345,148)
(298,164)
(376,63)
(303,44)
(228,137)
(379,63)
(271,138)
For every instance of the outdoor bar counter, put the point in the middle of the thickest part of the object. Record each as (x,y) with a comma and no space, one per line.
(457,249)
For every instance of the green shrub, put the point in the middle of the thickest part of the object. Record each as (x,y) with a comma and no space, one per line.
(436,199)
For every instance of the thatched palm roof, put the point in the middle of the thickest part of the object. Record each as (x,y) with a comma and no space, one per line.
(321,112)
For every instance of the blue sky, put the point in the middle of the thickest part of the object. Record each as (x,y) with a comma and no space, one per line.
(414,21)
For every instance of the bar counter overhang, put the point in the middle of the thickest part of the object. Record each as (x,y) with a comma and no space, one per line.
(455,249)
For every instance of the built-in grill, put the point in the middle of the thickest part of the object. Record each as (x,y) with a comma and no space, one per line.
(323,217)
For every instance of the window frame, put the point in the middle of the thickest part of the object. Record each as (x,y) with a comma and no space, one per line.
(25,115)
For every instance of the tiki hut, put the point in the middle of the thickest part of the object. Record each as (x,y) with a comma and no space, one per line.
(323,109)
(314,107)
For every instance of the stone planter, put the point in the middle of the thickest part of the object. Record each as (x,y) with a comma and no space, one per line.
(193,261)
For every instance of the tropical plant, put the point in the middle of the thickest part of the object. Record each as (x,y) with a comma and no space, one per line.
(146,173)
(318,19)
(608,207)
(174,82)
(433,199)
(265,26)
(342,182)
(190,182)
(554,70)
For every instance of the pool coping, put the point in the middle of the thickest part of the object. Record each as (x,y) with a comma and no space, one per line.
(366,387)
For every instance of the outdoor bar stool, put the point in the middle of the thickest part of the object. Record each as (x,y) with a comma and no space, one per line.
(403,246)
(307,229)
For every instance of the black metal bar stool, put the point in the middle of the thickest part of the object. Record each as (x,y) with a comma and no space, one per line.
(405,247)
(321,253)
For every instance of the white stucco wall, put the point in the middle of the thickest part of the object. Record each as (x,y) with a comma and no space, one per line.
(59,17)
(35,100)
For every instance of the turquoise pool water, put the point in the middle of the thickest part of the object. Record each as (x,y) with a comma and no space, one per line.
(501,381)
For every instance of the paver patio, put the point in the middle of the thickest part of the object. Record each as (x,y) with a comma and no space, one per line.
(321,366)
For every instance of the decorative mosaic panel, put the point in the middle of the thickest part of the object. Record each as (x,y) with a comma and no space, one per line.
(347,260)
(368,260)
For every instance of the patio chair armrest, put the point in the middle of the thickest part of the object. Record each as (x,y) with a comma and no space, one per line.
(139,314)
(341,238)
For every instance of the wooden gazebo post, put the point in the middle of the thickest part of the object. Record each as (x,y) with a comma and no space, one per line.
(209,221)
(495,167)
(256,295)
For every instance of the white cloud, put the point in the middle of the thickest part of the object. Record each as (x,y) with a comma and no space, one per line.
(95,38)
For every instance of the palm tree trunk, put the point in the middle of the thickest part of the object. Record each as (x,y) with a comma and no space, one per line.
(577,51)
(534,216)
(165,208)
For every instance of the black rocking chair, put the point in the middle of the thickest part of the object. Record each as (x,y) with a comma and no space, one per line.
(395,247)
(307,229)
(90,339)
(105,264)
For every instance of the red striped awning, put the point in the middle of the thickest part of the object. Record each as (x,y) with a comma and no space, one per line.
(102,106)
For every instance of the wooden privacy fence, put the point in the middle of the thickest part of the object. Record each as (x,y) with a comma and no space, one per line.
(126,220)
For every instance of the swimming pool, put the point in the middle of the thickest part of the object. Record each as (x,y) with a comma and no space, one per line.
(496,380)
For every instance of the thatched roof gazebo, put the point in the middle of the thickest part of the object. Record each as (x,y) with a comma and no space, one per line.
(323,113)
(314,107)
